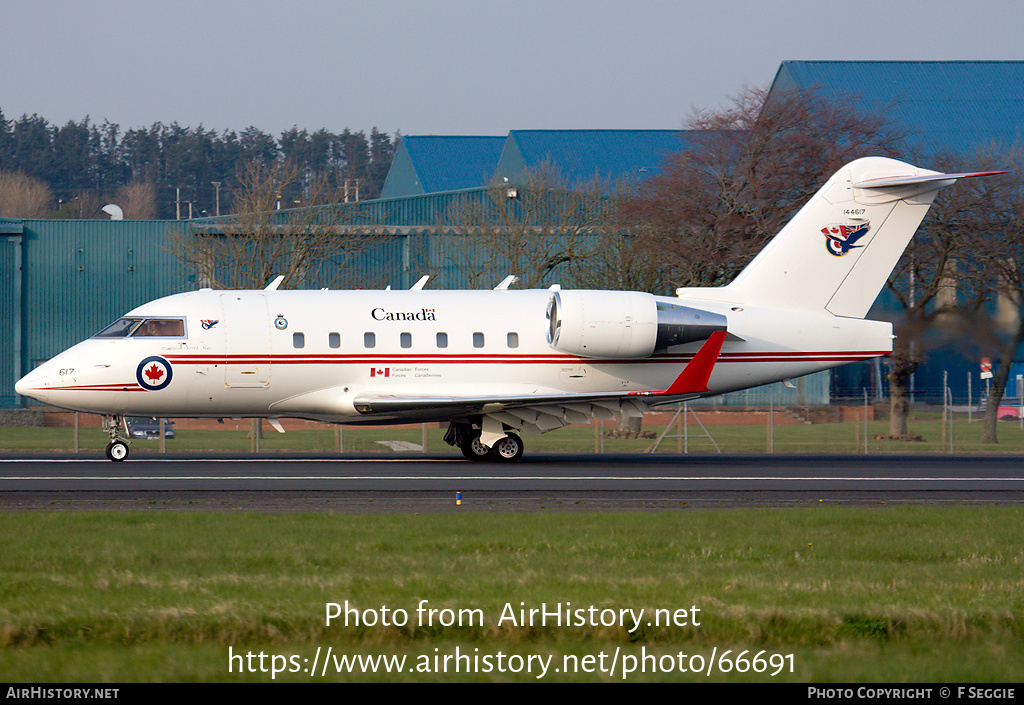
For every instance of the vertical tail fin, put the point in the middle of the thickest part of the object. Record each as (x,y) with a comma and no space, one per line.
(838,250)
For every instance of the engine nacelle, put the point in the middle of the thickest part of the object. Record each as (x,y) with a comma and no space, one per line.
(623,324)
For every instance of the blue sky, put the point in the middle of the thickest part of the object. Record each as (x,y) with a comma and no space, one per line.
(450,67)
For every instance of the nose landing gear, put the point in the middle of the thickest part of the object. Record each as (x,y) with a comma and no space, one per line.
(116,427)
(117,450)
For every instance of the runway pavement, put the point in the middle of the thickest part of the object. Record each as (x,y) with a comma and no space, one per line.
(434,482)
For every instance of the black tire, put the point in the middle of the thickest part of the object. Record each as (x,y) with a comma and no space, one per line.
(507,450)
(117,451)
(473,449)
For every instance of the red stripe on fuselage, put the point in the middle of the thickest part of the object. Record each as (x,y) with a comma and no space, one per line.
(133,387)
(425,359)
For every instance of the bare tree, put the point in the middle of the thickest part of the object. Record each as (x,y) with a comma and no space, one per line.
(23,196)
(617,257)
(744,172)
(534,229)
(138,200)
(308,246)
(992,209)
(945,278)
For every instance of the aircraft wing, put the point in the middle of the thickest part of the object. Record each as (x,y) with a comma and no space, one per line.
(537,413)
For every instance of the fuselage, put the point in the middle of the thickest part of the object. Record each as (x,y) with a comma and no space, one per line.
(312,354)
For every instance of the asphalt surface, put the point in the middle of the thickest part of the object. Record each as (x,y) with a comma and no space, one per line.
(414,482)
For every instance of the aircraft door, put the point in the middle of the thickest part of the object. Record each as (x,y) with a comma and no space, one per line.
(246,340)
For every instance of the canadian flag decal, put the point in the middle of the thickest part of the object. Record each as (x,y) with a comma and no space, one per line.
(380,371)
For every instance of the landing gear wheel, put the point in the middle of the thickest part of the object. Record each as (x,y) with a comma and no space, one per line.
(473,449)
(117,451)
(508,450)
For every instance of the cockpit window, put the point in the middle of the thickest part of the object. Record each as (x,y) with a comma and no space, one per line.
(119,329)
(161,327)
(139,327)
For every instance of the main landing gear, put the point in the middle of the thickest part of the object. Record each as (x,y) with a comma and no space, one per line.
(505,450)
(115,426)
(473,449)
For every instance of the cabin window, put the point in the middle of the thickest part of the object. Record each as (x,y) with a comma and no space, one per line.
(513,340)
(298,340)
(406,340)
(442,340)
(369,340)
(478,340)
(334,340)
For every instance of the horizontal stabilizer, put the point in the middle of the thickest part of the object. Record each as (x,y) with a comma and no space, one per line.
(885,182)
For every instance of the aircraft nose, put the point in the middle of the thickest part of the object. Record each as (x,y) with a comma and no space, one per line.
(34,384)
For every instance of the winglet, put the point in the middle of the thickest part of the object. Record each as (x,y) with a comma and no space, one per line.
(694,377)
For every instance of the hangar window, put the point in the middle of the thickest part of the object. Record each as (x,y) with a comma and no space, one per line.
(406,340)
(334,340)
(478,340)
(442,340)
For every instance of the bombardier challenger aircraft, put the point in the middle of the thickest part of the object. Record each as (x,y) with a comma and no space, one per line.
(499,364)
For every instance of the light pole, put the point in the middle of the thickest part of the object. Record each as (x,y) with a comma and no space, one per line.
(216,186)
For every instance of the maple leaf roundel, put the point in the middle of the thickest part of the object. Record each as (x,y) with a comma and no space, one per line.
(153,373)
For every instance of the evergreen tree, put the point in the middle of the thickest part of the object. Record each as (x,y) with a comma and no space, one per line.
(84,163)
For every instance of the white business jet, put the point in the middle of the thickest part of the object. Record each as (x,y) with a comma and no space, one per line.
(496,365)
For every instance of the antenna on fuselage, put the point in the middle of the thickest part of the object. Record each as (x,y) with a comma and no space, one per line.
(507,282)
(272,286)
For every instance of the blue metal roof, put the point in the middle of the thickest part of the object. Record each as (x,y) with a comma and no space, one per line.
(946,105)
(11,226)
(431,164)
(579,156)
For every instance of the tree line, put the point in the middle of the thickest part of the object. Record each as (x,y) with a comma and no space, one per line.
(171,171)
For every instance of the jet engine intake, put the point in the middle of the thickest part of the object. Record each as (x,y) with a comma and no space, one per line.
(623,324)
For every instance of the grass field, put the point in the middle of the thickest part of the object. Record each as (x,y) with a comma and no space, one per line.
(832,594)
(961,436)
(824,594)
